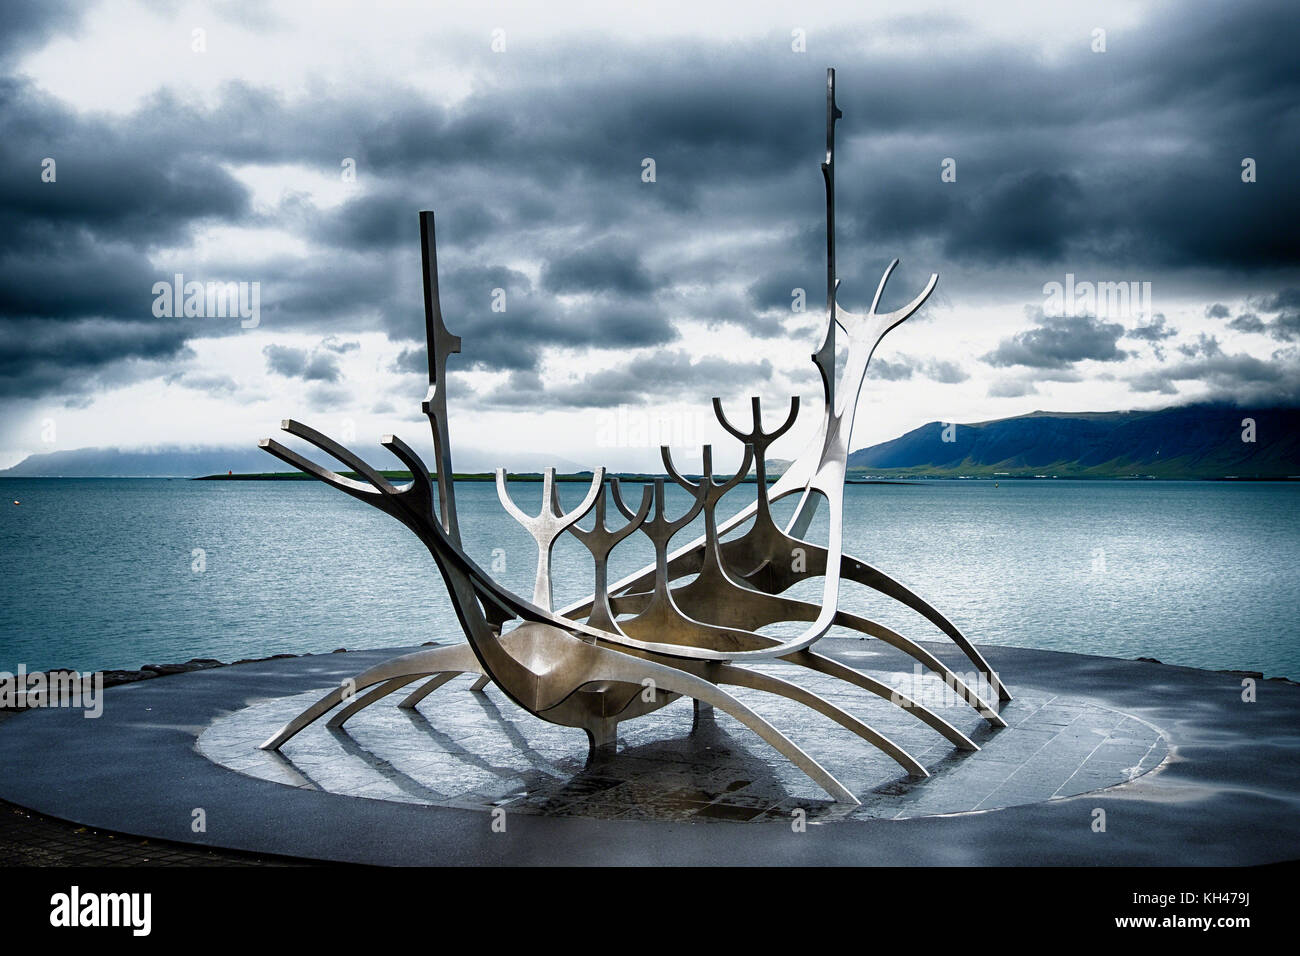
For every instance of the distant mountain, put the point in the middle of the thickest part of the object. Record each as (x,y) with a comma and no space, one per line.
(140,463)
(176,462)
(1191,441)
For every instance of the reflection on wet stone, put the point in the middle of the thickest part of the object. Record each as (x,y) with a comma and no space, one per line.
(474,751)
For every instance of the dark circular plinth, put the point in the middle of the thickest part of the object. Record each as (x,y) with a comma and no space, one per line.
(480,751)
(1184,770)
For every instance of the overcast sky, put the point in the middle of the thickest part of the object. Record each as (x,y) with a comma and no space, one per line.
(223,155)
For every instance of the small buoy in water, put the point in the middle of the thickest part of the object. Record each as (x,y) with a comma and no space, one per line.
(995,484)
(15,501)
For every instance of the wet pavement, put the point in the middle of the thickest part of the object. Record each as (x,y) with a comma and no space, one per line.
(404,788)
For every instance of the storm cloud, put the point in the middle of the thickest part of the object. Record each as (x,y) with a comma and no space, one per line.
(551,241)
(1058,342)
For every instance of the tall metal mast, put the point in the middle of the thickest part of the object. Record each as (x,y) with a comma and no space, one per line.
(825,355)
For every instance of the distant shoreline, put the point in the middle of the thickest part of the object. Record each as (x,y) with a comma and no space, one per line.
(581,476)
(1197,442)
(851,479)
(905,479)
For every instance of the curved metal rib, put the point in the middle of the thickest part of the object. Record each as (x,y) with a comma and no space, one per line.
(865,626)
(428,661)
(739,676)
(758,609)
(855,569)
(412,700)
(739,557)
(370,697)
(356,489)
(620,667)
(834,668)
(751,610)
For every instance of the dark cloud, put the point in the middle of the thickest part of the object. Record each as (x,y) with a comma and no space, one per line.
(905,366)
(1247,322)
(65,275)
(110,183)
(1058,342)
(342,348)
(948,373)
(375,221)
(1205,345)
(1286,300)
(532,319)
(202,382)
(663,374)
(73,358)
(716,306)
(28,23)
(1154,331)
(413,360)
(1285,327)
(777,290)
(1239,378)
(1217,311)
(1011,388)
(1030,215)
(327,395)
(599,267)
(314,365)
(891,371)
(1131,159)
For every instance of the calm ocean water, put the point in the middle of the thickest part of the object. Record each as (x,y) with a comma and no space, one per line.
(103,573)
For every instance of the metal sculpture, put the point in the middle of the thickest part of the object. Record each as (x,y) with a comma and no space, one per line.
(636,645)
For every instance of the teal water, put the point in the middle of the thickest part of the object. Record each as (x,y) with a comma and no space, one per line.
(101,573)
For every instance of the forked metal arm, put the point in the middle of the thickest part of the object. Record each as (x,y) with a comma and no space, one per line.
(601,541)
(548,524)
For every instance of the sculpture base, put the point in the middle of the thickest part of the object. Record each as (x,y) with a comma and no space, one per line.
(481,752)
(401,786)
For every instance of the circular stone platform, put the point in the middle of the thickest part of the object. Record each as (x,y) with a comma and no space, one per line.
(1186,771)
(479,751)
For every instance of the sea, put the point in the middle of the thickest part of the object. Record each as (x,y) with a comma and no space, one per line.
(119,573)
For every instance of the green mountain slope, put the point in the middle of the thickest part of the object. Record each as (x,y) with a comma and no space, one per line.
(1192,441)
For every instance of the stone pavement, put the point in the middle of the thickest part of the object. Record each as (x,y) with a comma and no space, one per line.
(28,838)
(32,839)
(1227,791)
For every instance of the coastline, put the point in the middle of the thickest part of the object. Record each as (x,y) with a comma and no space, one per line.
(864,478)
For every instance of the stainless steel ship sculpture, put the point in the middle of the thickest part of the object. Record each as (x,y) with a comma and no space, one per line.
(635,645)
